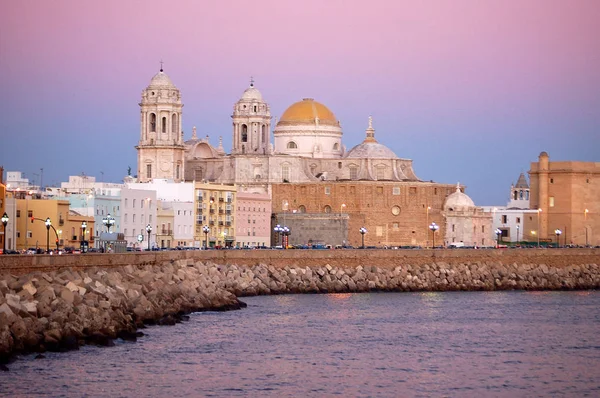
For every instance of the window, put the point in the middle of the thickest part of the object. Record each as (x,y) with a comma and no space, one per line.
(452,227)
(174,123)
(353,173)
(126,200)
(18,213)
(551,201)
(327,190)
(483,228)
(413,190)
(133,204)
(336,146)
(552,181)
(292,145)
(518,220)
(380,173)
(395,226)
(164,125)
(152,122)
(285,173)
(396,191)
(125,218)
(504,219)
(29,213)
(244,133)
(339,165)
(133,218)
(302,209)
(521,194)
(148,171)
(29,234)
(327,209)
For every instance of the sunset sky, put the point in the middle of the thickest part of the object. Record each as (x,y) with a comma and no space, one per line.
(471,90)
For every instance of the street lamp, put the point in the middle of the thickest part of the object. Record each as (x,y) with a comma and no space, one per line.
(83,228)
(363,231)
(427,223)
(278,230)
(149,230)
(4,222)
(206,230)
(585,213)
(557,232)
(538,230)
(108,222)
(286,233)
(48,225)
(341,223)
(498,232)
(433,227)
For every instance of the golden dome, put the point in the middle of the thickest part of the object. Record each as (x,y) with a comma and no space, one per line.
(306,112)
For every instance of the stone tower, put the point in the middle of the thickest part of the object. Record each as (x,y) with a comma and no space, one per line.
(543,194)
(519,194)
(251,124)
(160,149)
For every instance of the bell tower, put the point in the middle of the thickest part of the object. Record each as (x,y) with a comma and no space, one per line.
(160,149)
(251,124)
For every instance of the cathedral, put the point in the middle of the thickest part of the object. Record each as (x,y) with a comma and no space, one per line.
(302,163)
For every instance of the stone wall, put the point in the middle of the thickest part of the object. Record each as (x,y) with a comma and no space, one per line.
(21,264)
(64,308)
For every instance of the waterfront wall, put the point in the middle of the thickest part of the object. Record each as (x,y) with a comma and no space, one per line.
(64,308)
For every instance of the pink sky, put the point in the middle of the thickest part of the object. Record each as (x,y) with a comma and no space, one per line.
(460,82)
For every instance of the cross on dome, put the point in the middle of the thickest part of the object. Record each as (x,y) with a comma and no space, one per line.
(161,65)
(251,81)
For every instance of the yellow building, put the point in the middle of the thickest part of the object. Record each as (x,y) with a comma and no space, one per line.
(64,228)
(567,196)
(165,221)
(214,208)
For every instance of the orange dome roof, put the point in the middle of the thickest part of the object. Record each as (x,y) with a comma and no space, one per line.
(306,112)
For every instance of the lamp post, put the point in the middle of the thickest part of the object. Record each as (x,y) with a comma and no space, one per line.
(517,234)
(108,222)
(48,225)
(433,227)
(538,230)
(427,223)
(342,224)
(4,222)
(363,231)
(585,213)
(557,232)
(149,230)
(278,230)
(83,228)
(285,233)
(206,230)
(498,232)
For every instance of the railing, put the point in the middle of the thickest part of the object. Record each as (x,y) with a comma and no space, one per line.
(167,232)
(212,211)
(228,224)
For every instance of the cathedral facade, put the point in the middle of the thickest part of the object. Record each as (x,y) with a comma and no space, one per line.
(302,163)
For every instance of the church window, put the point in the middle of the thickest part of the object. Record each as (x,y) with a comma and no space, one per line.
(302,209)
(164,125)
(263,135)
(336,146)
(396,191)
(285,173)
(395,226)
(527,195)
(255,109)
(152,122)
(483,228)
(452,227)
(177,172)
(521,194)
(515,195)
(198,174)
(292,145)
(174,123)
(552,181)
(551,201)
(504,219)
(380,173)
(244,133)
(353,173)
(327,190)
(148,171)
(327,209)
(518,220)
(339,165)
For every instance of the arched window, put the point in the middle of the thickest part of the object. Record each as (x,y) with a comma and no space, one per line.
(263,133)
(174,123)
(353,172)
(285,173)
(164,125)
(177,172)
(336,146)
(292,145)
(148,171)
(244,133)
(301,209)
(152,122)
(327,209)
(527,195)
(515,193)
(521,194)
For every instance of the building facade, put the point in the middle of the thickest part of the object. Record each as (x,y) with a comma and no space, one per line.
(253,219)
(566,195)
(214,208)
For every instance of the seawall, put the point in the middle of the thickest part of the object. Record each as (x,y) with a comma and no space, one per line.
(64,302)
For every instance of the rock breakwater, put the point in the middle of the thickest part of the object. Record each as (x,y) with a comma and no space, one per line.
(63,309)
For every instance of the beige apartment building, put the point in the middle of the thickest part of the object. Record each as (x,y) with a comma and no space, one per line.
(214,208)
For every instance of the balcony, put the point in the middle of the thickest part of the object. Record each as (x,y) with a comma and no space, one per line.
(221,211)
(221,200)
(166,232)
(228,223)
(212,211)
(220,223)
(227,211)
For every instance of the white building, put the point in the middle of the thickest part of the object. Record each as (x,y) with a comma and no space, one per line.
(510,219)
(138,209)
(466,224)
